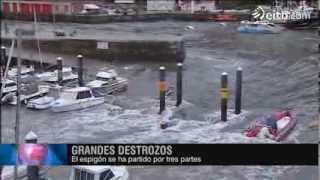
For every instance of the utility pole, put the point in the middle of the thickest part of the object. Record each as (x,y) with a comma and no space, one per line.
(2,61)
(17,123)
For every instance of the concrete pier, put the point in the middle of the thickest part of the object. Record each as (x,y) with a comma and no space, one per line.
(164,48)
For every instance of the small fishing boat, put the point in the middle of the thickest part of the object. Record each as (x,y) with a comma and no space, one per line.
(99,172)
(26,94)
(59,32)
(41,103)
(25,71)
(52,77)
(108,82)
(260,127)
(225,17)
(75,99)
(47,101)
(8,87)
(263,27)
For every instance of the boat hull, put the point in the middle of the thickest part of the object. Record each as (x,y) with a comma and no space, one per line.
(244,29)
(282,133)
(41,103)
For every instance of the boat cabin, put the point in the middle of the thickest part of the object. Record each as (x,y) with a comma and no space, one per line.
(9,86)
(92,173)
(76,93)
(106,76)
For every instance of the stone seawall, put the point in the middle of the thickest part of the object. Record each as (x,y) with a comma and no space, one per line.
(170,51)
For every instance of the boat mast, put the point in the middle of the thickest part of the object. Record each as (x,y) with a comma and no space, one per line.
(36,34)
(17,123)
(8,63)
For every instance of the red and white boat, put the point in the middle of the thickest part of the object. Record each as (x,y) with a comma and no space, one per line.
(224,17)
(284,122)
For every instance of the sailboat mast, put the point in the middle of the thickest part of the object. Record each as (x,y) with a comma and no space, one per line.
(37,37)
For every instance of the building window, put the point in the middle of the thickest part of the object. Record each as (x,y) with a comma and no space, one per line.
(66,8)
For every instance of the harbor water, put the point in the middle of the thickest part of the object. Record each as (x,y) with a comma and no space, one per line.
(279,71)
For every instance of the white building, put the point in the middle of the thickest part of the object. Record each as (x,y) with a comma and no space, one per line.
(197,5)
(161,5)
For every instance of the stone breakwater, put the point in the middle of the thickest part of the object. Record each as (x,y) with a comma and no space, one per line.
(96,19)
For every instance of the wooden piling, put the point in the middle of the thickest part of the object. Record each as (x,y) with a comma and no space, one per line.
(59,69)
(224,93)
(162,88)
(32,171)
(238,92)
(80,70)
(2,62)
(179,84)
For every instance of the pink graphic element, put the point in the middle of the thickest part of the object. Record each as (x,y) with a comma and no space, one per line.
(32,154)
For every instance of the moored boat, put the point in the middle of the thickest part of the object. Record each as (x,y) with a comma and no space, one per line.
(108,82)
(263,27)
(75,99)
(8,86)
(47,101)
(225,17)
(52,77)
(25,71)
(27,92)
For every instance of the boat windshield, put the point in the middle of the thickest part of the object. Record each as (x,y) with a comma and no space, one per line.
(105,79)
(106,175)
(84,95)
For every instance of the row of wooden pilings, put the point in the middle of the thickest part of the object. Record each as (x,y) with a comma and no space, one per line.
(224,91)
(79,70)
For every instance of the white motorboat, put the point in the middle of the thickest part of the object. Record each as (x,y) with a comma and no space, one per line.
(52,77)
(99,172)
(47,101)
(9,86)
(108,82)
(11,98)
(25,70)
(76,98)
(44,102)
(259,27)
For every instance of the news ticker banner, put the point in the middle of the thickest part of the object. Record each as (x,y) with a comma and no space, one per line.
(159,154)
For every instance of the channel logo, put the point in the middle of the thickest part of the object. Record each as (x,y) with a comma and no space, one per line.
(259,13)
(280,14)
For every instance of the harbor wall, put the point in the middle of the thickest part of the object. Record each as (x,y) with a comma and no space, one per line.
(170,51)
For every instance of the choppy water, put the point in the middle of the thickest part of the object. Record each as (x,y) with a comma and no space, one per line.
(280,71)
